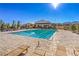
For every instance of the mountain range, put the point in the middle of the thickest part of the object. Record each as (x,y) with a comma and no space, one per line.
(74,22)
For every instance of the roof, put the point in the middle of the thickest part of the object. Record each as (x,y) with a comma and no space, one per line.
(42,22)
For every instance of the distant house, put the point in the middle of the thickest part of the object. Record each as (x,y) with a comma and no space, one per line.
(28,25)
(43,24)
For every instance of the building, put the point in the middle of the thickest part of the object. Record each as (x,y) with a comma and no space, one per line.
(43,24)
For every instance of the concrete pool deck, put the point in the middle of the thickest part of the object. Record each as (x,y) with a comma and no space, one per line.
(64,43)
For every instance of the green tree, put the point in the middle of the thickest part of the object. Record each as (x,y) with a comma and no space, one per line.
(1,21)
(67,27)
(18,25)
(7,26)
(13,25)
(78,28)
(2,24)
(73,27)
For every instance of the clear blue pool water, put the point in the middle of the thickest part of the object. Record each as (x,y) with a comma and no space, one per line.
(38,33)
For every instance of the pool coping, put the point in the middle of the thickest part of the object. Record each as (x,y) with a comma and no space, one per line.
(53,35)
(50,38)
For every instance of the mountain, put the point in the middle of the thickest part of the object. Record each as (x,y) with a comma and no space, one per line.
(74,22)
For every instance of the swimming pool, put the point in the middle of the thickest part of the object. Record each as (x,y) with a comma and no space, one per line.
(37,33)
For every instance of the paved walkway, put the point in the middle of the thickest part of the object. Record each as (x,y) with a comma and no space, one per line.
(64,43)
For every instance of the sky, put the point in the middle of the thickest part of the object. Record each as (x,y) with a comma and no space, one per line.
(31,12)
